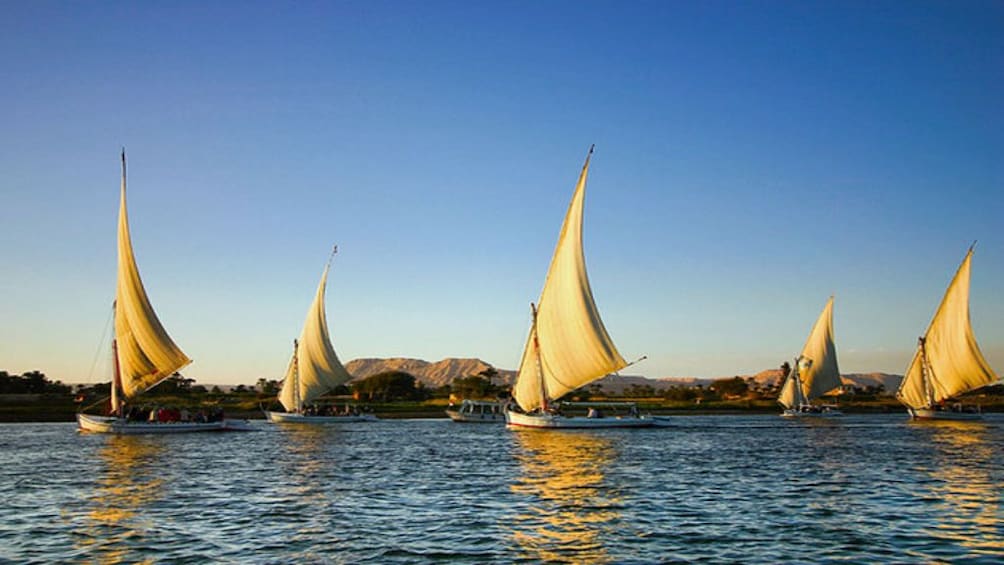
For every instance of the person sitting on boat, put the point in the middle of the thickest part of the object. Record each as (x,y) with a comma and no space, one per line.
(785,370)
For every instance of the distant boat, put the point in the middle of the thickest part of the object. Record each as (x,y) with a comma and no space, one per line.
(314,370)
(144,354)
(568,346)
(948,361)
(480,411)
(815,372)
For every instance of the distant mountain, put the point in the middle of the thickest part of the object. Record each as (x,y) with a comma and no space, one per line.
(430,374)
(890,382)
(445,371)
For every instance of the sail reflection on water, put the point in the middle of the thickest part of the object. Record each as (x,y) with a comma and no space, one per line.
(566,509)
(305,496)
(304,458)
(969,512)
(130,483)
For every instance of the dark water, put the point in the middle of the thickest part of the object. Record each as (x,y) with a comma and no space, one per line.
(717,488)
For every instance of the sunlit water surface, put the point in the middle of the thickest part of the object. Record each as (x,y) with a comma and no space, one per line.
(715,488)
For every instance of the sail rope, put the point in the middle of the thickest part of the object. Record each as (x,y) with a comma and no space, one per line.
(101,345)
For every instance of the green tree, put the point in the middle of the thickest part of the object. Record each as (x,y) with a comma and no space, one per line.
(175,384)
(32,382)
(735,386)
(386,386)
(489,374)
(471,387)
(681,393)
(267,387)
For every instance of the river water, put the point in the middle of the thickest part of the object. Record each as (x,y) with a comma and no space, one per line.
(709,488)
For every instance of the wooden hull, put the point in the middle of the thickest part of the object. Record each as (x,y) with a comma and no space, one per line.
(475,418)
(554,421)
(121,426)
(293,418)
(814,412)
(929,414)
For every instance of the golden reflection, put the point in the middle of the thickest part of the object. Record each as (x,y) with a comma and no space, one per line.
(128,484)
(570,510)
(307,454)
(970,512)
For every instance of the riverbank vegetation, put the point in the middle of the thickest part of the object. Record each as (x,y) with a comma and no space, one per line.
(32,397)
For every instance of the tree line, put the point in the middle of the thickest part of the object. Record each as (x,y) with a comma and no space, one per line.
(32,382)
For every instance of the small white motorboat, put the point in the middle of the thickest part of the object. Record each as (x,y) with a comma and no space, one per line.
(477,411)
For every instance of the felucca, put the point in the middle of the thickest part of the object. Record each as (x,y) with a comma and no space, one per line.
(144,354)
(815,372)
(568,346)
(314,370)
(948,361)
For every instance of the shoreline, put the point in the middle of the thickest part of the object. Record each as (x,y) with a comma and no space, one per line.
(67,413)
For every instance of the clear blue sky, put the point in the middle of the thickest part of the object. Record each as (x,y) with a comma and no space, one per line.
(751,159)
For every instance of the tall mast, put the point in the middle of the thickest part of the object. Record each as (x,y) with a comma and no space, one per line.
(798,383)
(116,378)
(117,374)
(540,366)
(331,257)
(925,369)
(296,375)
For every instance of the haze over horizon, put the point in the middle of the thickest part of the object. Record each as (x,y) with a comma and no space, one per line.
(749,163)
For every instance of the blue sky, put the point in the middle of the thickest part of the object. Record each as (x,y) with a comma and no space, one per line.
(752,158)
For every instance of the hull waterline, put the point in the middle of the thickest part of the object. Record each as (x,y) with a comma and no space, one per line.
(825,413)
(293,418)
(929,414)
(474,418)
(121,426)
(555,421)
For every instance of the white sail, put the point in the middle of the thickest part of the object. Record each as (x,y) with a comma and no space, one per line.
(574,347)
(316,368)
(954,364)
(790,396)
(146,354)
(816,368)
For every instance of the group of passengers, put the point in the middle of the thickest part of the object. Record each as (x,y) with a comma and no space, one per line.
(166,415)
(328,410)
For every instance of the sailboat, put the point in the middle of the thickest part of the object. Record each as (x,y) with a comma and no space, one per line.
(568,346)
(815,372)
(144,354)
(948,361)
(314,370)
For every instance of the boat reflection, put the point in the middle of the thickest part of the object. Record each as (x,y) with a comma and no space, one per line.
(305,461)
(969,512)
(128,484)
(569,509)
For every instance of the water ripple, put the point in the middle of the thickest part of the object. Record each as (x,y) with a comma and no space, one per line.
(707,489)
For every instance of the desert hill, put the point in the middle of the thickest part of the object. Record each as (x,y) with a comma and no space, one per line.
(443,372)
(432,375)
